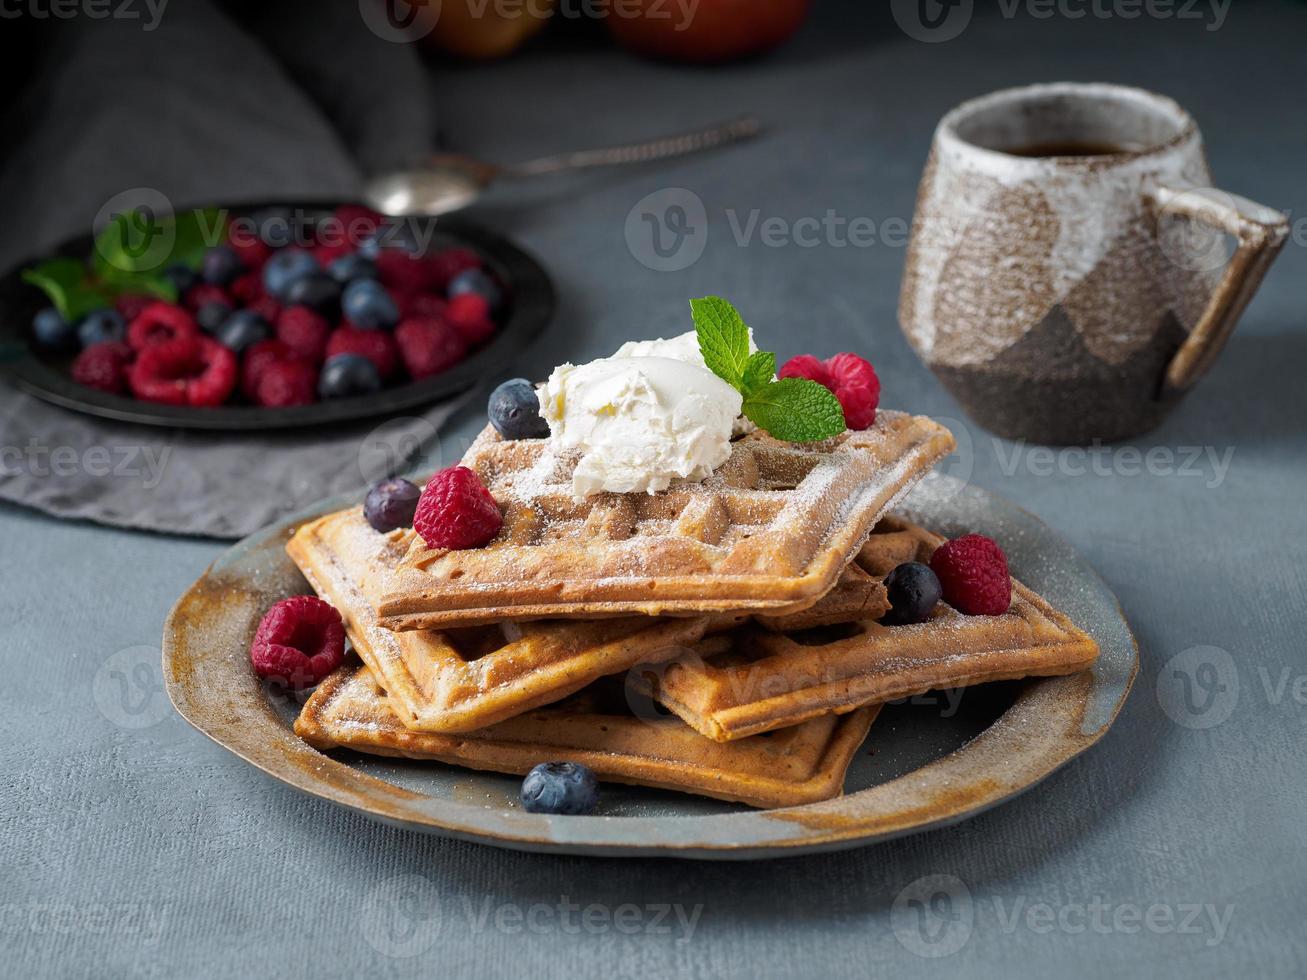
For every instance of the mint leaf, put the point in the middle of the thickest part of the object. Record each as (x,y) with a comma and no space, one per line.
(759,370)
(135,247)
(723,338)
(795,410)
(70,291)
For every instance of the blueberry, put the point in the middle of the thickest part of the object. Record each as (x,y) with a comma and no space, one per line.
(347,268)
(240,329)
(346,375)
(100,326)
(560,787)
(183,277)
(514,411)
(367,305)
(273,225)
(53,333)
(211,316)
(370,248)
(913,592)
(391,504)
(318,291)
(286,267)
(479,282)
(220,266)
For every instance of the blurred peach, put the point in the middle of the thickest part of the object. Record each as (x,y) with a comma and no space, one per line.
(481,30)
(706,30)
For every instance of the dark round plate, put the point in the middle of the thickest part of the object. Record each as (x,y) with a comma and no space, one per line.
(531,306)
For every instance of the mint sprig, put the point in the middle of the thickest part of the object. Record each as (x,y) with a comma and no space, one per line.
(792,409)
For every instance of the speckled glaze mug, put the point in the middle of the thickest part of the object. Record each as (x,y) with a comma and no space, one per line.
(1068,276)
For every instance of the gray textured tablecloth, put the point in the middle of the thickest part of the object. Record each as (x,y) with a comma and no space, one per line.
(212,869)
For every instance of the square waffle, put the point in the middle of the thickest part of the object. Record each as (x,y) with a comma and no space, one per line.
(756,679)
(769,532)
(803,764)
(458,680)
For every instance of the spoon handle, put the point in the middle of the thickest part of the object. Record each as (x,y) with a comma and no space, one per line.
(655,149)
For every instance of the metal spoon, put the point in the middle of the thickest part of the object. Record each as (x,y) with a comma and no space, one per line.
(451,181)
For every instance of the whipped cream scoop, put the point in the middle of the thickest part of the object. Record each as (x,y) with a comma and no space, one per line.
(639,421)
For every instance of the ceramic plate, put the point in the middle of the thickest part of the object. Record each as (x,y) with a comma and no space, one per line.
(531,305)
(928,762)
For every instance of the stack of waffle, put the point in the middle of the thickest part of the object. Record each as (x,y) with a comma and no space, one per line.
(719,638)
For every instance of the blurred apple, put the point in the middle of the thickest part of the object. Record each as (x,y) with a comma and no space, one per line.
(704,30)
(482,30)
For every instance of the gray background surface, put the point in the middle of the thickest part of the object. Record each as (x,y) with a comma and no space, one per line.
(129,844)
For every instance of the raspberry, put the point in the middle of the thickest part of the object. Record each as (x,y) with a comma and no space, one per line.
(377,346)
(358,223)
(299,641)
(327,254)
(806,366)
(285,383)
(449,262)
(429,345)
(131,305)
(249,248)
(469,314)
(257,357)
(973,572)
(403,273)
(188,371)
(247,288)
(266,307)
(160,323)
(421,304)
(205,293)
(850,378)
(456,511)
(304,331)
(104,366)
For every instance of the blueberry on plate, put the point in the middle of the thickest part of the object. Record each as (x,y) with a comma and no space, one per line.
(914,591)
(273,225)
(183,277)
(241,329)
(347,268)
(53,333)
(391,504)
(514,411)
(317,290)
(286,267)
(560,787)
(346,375)
(101,326)
(211,316)
(220,266)
(367,305)
(476,281)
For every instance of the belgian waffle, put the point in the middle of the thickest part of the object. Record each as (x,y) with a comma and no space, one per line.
(803,764)
(756,680)
(769,532)
(459,680)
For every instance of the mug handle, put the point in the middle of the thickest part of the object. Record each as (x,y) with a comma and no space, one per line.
(1260,232)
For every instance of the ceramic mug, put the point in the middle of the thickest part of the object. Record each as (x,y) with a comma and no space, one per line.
(1068,277)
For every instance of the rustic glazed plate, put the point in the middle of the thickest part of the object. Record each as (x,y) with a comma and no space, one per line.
(927,763)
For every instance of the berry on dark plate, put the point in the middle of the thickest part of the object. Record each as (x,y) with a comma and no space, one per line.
(183,277)
(317,290)
(241,329)
(367,305)
(160,323)
(377,346)
(476,281)
(103,366)
(211,316)
(220,266)
(914,591)
(560,787)
(469,314)
(193,371)
(101,327)
(347,268)
(286,267)
(514,411)
(53,333)
(391,504)
(429,346)
(305,331)
(347,375)
(283,383)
